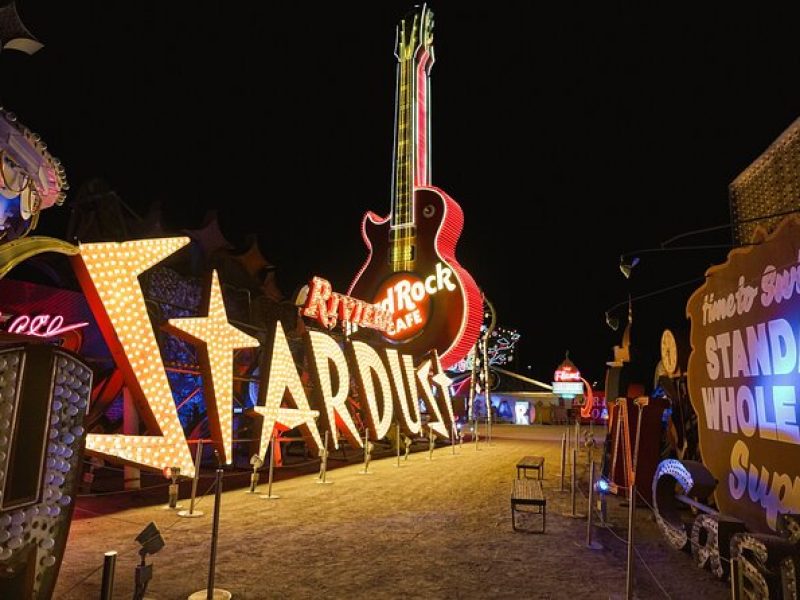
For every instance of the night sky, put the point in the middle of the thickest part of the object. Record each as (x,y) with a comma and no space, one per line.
(567,135)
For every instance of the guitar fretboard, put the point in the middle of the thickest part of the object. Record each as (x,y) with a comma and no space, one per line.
(414,54)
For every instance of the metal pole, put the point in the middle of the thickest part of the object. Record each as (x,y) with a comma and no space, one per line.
(197,458)
(574,486)
(572,478)
(271,471)
(212,593)
(489,330)
(109,564)
(430,444)
(472,382)
(629,583)
(453,439)
(563,459)
(214,534)
(589,543)
(486,395)
(397,434)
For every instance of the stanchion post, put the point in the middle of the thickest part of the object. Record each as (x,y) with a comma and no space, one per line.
(192,513)
(563,459)
(397,435)
(453,438)
(589,543)
(430,444)
(574,485)
(107,586)
(629,583)
(572,478)
(271,472)
(212,593)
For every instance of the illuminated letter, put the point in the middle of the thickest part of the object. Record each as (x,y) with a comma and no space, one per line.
(740,366)
(370,368)
(108,273)
(746,410)
(785,403)
(737,478)
(423,384)
(282,377)
(324,350)
(712,361)
(400,393)
(782,344)
(317,303)
(443,382)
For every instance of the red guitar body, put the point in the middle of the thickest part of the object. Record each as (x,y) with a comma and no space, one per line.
(454,317)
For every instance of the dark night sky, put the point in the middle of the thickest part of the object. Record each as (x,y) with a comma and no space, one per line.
(568,135)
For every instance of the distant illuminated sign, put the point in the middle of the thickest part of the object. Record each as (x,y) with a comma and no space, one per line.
(567,373)
(567,381)
(567,388)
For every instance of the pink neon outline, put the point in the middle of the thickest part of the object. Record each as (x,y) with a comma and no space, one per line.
(27,325)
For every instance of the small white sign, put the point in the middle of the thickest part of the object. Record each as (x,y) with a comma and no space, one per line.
(567,388)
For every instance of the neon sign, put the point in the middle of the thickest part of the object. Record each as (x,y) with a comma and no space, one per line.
(407,298)
(390,381)
(743,377)
(330,308)
(43,325)
(567,381)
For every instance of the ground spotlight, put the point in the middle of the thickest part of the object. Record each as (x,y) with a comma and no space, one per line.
(151,542)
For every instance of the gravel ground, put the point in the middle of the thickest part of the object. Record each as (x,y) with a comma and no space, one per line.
(430,529)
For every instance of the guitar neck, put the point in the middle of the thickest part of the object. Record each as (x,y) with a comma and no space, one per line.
(412,129)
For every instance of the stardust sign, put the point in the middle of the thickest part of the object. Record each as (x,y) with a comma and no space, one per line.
(392,383)
(744,377)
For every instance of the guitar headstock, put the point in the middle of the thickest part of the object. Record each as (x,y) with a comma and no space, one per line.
(414,31)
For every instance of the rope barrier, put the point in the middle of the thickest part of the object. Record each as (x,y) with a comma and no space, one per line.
(134,547)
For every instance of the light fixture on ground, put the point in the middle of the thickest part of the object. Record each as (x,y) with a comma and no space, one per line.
(151,542)
(256,461)
(172,473)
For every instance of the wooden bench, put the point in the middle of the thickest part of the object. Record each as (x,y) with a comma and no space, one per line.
(530,462)
(528,492)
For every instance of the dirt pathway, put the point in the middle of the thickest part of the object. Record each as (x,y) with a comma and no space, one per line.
(430,529)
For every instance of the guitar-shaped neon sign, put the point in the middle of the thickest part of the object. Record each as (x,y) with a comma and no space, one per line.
(411,269)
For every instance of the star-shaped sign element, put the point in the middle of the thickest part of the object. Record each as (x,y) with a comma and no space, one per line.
(216,339)
(108,272)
